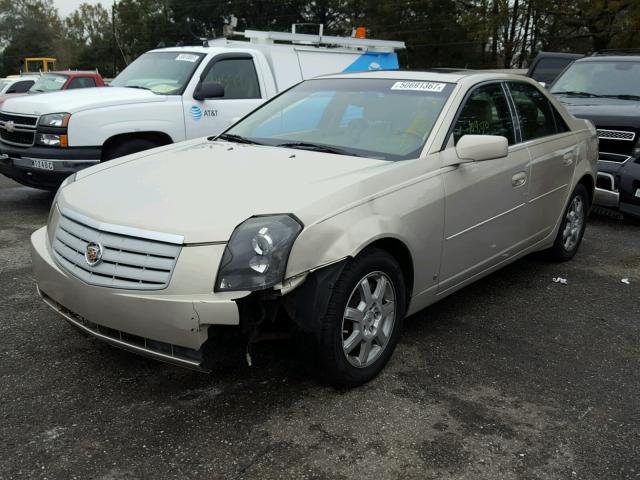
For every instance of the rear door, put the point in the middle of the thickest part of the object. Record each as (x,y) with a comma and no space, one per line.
(485,218)
(243,92)
(553,151)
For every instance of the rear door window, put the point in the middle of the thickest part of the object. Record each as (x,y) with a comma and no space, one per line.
(82,82)
(535,113)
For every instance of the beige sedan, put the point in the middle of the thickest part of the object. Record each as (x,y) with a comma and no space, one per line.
(333,211)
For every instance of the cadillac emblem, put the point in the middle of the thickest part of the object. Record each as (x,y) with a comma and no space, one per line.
(93,254)
(9,126)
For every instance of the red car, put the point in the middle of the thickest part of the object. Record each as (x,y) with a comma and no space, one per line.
(63,80)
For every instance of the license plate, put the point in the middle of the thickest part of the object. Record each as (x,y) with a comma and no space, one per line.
(42,164)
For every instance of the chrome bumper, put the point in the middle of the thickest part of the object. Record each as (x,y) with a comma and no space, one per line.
(607,197)
(59,166)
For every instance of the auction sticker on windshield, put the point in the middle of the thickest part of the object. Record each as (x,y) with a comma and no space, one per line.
(186,57)
(419,86)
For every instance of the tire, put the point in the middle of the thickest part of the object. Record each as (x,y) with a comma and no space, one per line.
(128,147)
(572,228)
(375,335)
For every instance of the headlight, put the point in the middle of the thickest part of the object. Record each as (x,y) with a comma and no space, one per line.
(256,256)
(52,140)
(55,120)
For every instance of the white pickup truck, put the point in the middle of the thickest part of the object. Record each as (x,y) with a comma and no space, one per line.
(169,95)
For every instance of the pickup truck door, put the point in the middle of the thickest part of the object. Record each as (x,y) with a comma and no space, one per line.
(243,92)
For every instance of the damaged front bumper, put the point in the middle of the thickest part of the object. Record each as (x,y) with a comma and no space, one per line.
(171,325)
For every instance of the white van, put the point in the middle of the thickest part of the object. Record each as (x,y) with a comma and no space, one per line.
(169,95)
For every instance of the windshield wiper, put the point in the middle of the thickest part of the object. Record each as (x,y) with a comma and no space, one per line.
(230,137)
(316,147)
(577,94)
(138,87)
(623,96)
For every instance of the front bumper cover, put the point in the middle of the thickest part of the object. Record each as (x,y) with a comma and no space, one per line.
(170,325)
(21,164)
(619,186)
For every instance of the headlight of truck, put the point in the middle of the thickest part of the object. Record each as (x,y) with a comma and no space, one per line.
(53,140)
(59,120)
(256,256)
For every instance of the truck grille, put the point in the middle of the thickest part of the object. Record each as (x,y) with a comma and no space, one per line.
(23,138)
(18,130)
(624,135)
(19,120)
(127,262)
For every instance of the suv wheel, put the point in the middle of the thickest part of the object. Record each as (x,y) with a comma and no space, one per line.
(363,320)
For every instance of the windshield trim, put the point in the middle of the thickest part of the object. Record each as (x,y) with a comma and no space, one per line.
(418,153)
(201,55)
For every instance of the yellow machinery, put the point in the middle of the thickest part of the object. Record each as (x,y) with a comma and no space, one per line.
(39,64)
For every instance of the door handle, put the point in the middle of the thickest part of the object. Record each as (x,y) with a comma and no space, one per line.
(519,179)
(567,158)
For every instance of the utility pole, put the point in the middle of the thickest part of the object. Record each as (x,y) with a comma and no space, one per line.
(113,38)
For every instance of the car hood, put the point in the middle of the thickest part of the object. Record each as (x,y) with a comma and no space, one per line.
(203,190)
(72,101)
(603,112)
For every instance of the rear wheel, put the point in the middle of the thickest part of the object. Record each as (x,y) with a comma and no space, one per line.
(363,320)
(573,225)
(127,147)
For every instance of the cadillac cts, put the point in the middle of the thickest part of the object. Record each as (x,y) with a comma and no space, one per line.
(331,212)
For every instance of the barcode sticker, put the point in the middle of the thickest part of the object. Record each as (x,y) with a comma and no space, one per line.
(186,57)
(419,86)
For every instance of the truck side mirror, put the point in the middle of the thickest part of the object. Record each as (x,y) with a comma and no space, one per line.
(205,91)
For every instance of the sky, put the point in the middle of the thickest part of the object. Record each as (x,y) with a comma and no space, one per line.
(65,7)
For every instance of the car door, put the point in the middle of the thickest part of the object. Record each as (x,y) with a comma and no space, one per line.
(236,72)
(553,150)
(485,220)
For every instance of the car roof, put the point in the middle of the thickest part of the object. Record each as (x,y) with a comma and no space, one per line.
(455,76)
(610,58)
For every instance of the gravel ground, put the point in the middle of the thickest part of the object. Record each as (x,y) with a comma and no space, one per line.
(515,377)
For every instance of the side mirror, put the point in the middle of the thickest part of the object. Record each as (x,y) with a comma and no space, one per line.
(205,91)
(477,148)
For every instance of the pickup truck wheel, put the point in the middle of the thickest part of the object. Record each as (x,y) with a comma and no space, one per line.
(363,320)
(572,227)
(128,147)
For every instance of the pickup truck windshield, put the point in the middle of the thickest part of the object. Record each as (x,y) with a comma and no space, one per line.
(377,118)
(49,82)
(164,73)
(600,79)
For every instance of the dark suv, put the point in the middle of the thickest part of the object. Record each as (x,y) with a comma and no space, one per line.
(605,88)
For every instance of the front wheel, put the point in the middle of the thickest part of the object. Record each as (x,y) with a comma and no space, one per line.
(363,320)
(572,227)
(127,147)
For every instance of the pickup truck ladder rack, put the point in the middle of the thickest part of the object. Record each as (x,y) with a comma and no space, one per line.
(366,44)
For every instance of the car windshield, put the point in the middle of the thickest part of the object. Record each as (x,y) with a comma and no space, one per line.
(164,73)
(49,82)
(605,78)
(378,118)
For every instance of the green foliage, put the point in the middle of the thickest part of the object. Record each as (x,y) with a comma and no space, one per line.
(438,33)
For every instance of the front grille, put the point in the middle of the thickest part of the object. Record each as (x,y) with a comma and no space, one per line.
(616,135)
(18,137)
(19,119)
(127,262)
(613,157)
